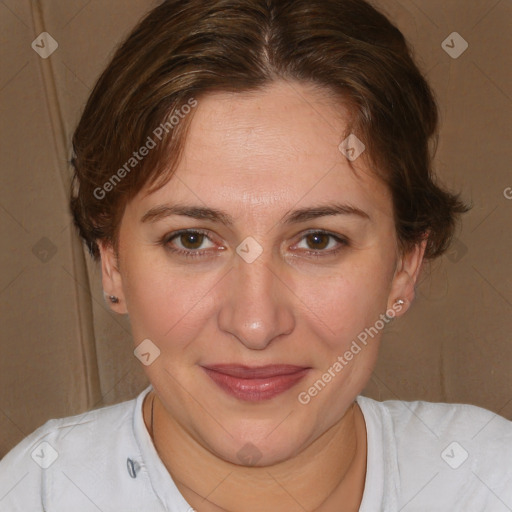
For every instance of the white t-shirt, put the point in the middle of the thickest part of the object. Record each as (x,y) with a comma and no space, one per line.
(421,457)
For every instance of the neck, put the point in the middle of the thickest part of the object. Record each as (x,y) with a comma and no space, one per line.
(326,475)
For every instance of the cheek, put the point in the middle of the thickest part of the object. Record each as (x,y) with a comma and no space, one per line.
(348,301)
(166,303)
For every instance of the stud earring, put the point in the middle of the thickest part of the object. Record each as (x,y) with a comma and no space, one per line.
(397,306)
(112,298)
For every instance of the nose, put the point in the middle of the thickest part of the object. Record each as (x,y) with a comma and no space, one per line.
(257,304)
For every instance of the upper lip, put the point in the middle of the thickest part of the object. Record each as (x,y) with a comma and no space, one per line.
(256,372)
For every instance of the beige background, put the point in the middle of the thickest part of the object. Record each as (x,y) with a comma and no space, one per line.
(63,351)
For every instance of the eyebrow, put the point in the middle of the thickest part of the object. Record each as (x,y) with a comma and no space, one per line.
(294,217)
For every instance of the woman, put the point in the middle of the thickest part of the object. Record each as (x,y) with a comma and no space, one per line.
(255,178)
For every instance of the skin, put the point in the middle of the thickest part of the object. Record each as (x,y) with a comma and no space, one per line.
(258,156)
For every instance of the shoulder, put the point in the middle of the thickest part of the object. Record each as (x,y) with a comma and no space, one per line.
(443,418)
(64,432)
(56,449)
(457,451)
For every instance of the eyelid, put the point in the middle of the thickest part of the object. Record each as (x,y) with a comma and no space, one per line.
(176,234)
(168,238)
(340,239)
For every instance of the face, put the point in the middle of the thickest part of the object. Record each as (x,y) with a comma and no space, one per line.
(258,284)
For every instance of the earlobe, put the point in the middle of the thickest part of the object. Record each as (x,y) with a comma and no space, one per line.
(406,275)
(111,278)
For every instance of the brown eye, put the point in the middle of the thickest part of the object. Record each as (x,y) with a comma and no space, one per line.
(322,243)
(188,242)
(191,240)
(317,241)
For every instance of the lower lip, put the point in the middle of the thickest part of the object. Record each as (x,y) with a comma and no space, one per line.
(255,390)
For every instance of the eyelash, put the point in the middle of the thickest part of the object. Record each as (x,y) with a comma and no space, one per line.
(165,241)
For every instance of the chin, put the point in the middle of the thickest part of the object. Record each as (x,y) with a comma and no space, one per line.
(261,443)
(260,453)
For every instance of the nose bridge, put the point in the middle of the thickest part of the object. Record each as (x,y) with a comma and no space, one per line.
(256,308)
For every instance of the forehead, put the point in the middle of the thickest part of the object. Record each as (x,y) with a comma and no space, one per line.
(270,150)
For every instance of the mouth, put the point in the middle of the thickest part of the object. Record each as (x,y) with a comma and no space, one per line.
(257,383)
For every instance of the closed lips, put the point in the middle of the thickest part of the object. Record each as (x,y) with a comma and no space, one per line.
(257,372)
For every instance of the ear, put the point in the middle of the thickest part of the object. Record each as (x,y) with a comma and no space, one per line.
(111,277)
(406,273)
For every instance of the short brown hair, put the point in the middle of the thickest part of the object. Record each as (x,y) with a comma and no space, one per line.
(187,48)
